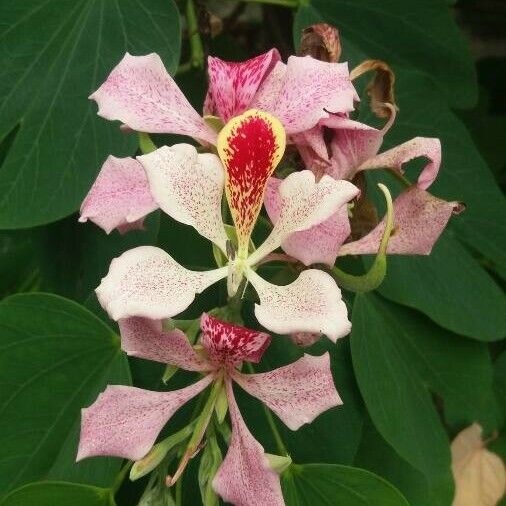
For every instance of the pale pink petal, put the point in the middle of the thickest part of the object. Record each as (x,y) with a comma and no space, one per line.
(119,197)
(352,144)
(305,339)
(301,92)
(232,85)
(147,281)
(226,343)
(396,157)
(245,478)
(311,303)
(189,187)
(125,421)
(297,392)
(318,244)
(419,220)
(140,93)
(145,338)
(314,140)
(304,204)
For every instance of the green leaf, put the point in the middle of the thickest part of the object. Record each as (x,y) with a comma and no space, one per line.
(385,354)
(58,494)
(451,288)
(54,54)
(328,485)
(55,358)
(417,35)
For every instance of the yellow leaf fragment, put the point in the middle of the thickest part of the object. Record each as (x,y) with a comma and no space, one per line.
(480,475)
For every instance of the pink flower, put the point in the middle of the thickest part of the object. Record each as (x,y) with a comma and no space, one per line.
(148,282)
(143,96)
(419,217)
(125,421)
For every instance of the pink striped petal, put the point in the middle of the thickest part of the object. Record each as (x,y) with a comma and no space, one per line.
(418,147)
(245,478)
(230,344)
(318,244)
(304,204)
(120,196)
(297,392)
(232,85)
(189,187)
(419,220)
(311,303)
(314,140)
(125,421)
(140,93)
(145,338)
(300,92)
(146,281)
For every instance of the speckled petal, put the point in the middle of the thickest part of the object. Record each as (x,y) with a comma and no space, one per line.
(418,147)
(304,204)
(311,303)
(125,421)
(120,196)
(297,392)
(318,244)
(232,85)
(301,92)
(226,343)
(250,146)
(245,478)
(145,338)
(147,281)
(140,93)
(189,187)
(419,220)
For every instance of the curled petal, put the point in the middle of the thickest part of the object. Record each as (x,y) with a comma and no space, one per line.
(245,478)
(318,244)
(140,93)
(297,392)
(304,204)
(120,196)
(321,41)
(145,338)
(250,146)
(232,85)
(419,220)
(188,186)
(311,303)
(301,92)
(146,281)
(125,421)
(226,343)
(396,157)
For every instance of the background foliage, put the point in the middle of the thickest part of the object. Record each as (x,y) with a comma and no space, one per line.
(426,356)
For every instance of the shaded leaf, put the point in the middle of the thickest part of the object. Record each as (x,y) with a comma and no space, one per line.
(55,358)
(327,484)
(54,54)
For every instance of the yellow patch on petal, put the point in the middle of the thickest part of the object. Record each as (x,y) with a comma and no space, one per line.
(250,146)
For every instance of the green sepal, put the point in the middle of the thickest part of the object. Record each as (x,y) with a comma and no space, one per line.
(221,406)
(376,274)
(146,145)
(279,463)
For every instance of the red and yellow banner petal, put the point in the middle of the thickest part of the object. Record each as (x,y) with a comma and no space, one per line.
(250,147)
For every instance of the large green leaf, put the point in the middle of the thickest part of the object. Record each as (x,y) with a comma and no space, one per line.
(418,35)
(451,288)
(55,357)
(53,55)
(385,355)
(58,494)
(328,485)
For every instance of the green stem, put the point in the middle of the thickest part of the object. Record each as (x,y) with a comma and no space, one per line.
(179,493)
(120,478)
(197,50)
(270,420)
(146,145)
(284,3)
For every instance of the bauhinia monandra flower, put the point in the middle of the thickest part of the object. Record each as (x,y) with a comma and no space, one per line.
(126,421)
